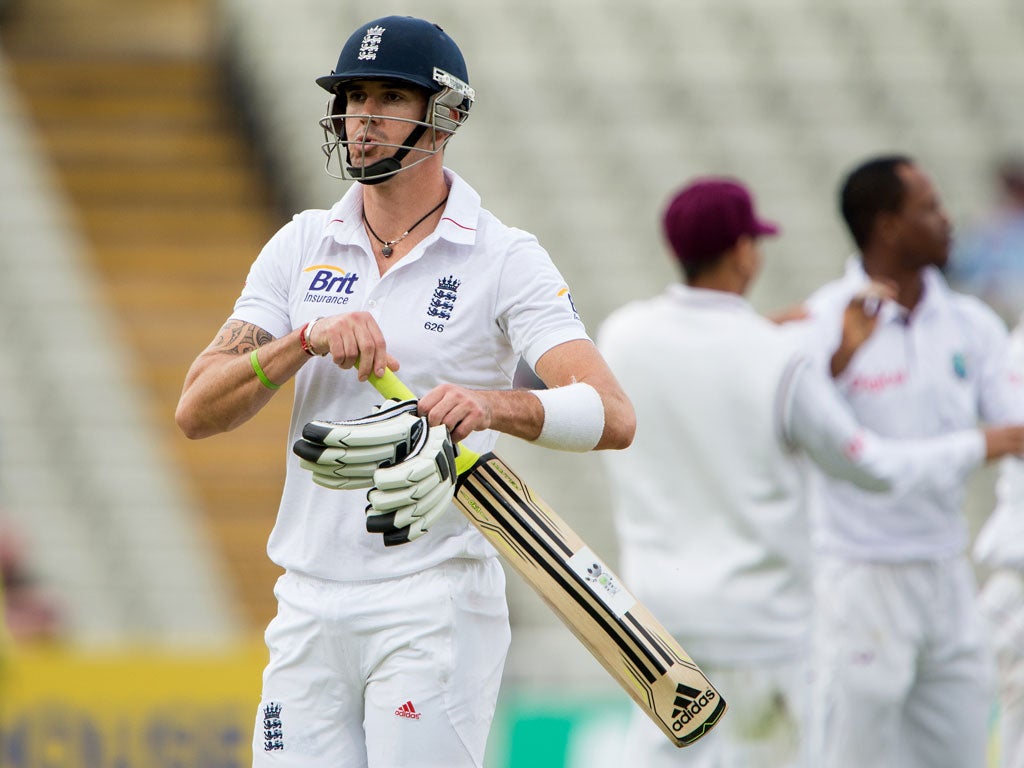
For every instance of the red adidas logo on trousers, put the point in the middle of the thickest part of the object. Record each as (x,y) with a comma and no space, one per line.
(408,710)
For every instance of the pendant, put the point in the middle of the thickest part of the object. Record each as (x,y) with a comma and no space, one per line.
(386,251)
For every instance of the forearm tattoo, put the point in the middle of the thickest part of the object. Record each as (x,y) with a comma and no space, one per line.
(239,338)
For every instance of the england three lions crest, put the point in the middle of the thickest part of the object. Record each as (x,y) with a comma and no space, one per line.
(443,301)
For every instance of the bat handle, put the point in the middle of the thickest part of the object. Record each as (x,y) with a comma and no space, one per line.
(392,387)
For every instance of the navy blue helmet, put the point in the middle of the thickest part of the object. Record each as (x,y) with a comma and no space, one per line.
(406,50)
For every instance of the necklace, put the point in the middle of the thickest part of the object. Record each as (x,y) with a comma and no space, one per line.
(388,248)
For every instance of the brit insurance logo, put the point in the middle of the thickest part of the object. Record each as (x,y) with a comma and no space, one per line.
(329,284)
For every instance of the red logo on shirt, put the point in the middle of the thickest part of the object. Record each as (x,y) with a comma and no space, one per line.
(407,710)
(879,382)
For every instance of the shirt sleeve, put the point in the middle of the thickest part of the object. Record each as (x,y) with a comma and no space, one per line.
(820,333)
(535,308)
(1000,542)
(817,420)
(264,298)
(1001,388)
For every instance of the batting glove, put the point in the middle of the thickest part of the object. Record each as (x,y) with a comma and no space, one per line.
(408,497)
(344,454)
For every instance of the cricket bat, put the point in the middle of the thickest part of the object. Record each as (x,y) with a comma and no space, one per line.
(619,631)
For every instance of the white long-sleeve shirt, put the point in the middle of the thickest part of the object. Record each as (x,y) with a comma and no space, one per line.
(942,369)
(710,501)
(1000,542)
(823,426)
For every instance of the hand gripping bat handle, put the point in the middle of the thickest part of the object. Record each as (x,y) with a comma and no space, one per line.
(393,388)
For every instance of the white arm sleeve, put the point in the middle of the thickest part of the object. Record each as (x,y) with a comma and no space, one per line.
(1000,542)
(573,417)
(819,421)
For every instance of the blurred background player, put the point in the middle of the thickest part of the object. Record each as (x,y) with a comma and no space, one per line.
(30,613)
(987,259)
(901,660)
(999,549)
(711,501)
(391,656)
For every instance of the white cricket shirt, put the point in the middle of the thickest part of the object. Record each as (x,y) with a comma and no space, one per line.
(461,307)
(943,368)
(710,501)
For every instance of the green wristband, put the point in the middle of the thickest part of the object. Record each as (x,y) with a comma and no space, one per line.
(255,363)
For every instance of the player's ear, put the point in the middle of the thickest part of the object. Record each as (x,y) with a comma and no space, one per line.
(746,254)
(887,227)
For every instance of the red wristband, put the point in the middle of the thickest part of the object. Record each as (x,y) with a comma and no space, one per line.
(304,342)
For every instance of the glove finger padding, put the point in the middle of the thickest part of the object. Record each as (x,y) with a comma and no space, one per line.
(387,426)
(340,478)
(345,454)
(408,497)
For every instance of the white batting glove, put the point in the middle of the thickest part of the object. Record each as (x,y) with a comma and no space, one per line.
(408,497)
(344,454)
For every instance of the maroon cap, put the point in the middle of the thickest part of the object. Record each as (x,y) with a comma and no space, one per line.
(708,216)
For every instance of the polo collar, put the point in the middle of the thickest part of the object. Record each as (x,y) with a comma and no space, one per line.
(458,225)
(707,298)
(936,294)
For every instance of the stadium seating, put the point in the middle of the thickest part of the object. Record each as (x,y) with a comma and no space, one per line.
(83,472)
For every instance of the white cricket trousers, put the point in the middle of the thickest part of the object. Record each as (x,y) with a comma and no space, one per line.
(1002,602)
(397,673)
(902,669)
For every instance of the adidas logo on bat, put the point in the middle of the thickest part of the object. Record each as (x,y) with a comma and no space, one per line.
(688,703)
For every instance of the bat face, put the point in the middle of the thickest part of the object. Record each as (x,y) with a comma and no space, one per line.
(591,600)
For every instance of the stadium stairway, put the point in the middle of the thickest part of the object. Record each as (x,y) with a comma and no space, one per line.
(173,205)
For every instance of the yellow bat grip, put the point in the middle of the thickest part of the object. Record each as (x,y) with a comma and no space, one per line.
(392,387)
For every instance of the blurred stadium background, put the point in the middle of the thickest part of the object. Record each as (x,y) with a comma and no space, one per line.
(149,148)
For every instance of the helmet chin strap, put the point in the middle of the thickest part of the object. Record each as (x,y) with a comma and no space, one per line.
(385,168)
